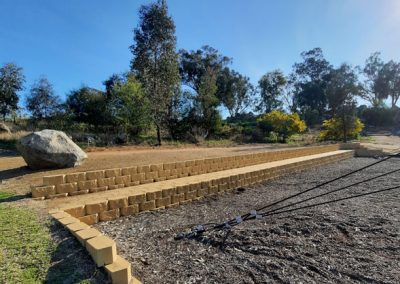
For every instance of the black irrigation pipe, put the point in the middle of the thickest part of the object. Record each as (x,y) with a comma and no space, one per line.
(200,229)
(247,215)
(330,201)
(329,192)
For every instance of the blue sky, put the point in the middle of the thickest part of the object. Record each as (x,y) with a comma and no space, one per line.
(79,42)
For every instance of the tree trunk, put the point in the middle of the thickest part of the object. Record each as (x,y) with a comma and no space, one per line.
(158,135)
(344,129)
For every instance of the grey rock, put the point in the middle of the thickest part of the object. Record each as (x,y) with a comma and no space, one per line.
(50,149)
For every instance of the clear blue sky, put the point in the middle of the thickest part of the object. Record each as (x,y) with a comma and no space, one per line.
(79,42)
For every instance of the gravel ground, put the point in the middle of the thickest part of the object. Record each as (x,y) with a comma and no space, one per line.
(354,241)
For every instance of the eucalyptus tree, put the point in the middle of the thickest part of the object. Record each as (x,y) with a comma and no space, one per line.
(42,102)
(155,61)
(11,82)
(271,87)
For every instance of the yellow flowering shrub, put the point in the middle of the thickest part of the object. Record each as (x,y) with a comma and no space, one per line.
(281,123)
(333,129)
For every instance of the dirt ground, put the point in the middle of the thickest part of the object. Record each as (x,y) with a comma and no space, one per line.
(16,177)
(354,241)
(390,143)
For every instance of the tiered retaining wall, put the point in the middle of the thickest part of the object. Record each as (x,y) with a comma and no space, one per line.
(77,214)
(106,206)
(102,180)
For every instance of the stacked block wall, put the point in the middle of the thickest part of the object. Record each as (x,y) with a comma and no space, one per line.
(102,180)
(154,198)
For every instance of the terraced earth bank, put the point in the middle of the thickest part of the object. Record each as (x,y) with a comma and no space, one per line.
(354,241)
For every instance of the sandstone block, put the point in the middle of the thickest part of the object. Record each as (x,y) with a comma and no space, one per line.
(152,195)
(143,169)
(112,173)
(179,165)
(75,227)
(151,175)
(168,191)
(190,194)
(94,175)
(137,198)
(156,168)
(67,221)
(138,177)
(129,210)
(176,198)
(169,166)
(84,235)
(67,187)
(129,171)
(148,205)
(53,180)
(109,215)
(75,177)
(78,211)
(125,180)
(43,191)
(163,173)
(162,202)
(93,208)
(90,219)
(182,189)
(119,271)
(60,215)
(102,249)
(117,203)
(106,181)
(89,184)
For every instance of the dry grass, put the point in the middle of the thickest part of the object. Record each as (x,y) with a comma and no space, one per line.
(9,140)
(13,136)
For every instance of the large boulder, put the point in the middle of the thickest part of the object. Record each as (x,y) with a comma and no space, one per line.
(4,128)
(50,149)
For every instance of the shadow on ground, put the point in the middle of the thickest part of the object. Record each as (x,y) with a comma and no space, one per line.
(71,263)
(15,198)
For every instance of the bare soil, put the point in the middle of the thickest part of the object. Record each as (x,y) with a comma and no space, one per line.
(354,241)
(16,177)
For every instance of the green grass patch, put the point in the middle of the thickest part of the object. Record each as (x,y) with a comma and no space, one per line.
(5,195)
(25,246)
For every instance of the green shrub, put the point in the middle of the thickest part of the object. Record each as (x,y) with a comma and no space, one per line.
(272,137)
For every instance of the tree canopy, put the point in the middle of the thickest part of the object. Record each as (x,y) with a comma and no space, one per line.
(11,82)
(42,101)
